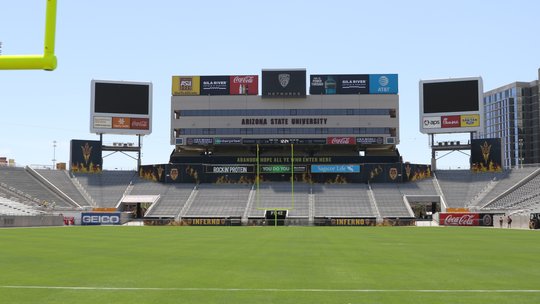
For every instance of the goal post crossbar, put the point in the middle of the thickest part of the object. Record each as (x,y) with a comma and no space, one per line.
(46,61)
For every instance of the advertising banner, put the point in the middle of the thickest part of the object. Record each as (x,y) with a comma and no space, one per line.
(200,141)
(282,169)
(86,156)
(323,84)
(353,222)
(244,85)
(121,122)
(100,218)
(472,120)
(353,84)
(335,168)
(431,122)
(284,83)
(205,221)
(101,122)
(452,121)
(229,169)
(140,123)
(383,84)
(369,140)
(214,85)
(486,155)
(340,140)
(227,141)
(186,85)
(465,219)
(284,141)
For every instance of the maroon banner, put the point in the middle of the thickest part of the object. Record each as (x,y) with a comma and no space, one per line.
(340,141)
(459,219)
(453,121)
(244,85)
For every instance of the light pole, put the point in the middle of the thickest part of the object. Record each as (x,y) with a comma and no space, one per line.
(54,154)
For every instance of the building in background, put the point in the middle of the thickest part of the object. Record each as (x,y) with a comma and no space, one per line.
(512,113)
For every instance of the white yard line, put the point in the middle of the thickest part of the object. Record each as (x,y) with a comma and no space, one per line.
(275,289)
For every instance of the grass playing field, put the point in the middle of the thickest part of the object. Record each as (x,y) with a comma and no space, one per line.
(269,265)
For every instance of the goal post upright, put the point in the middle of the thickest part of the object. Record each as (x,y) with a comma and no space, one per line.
(48,60)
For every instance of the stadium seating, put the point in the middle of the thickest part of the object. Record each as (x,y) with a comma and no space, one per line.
(524,194)
(218,200)
(517,190)
(279,195)
(461,186)
(172,199)
(106,188)
(63,181)
(11,207)
(389,200)
(26,185)
(343,200)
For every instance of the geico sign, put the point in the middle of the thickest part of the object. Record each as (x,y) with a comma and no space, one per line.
(100,219)
(431,122)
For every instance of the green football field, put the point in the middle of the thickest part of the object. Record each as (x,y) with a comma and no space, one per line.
(269,265)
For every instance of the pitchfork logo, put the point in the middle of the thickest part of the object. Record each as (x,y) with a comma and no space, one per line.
(284,79)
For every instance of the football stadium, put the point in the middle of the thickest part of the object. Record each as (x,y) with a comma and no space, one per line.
(279,165)
(280,188)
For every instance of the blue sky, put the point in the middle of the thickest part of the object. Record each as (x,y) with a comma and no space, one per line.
(154,40)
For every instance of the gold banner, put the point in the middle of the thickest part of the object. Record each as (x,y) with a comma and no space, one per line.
(186,85)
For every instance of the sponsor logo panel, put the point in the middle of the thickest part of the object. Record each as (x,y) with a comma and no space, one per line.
(244,85)
(452,121)
(369,140)
(322,84)
(335,168)
(204,221)
(186,85)
(282,169)
(229,169)
(102,122)
(284,83)
(353,84)
(352,222)
(228,141)
(214,85)
(200,141)
(140,123)
(100,218)
(431,122)
(459,219)
(472,120)
(121,122)
(340,140)
(383,84)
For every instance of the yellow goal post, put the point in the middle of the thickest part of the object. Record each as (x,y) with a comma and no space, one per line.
(47,61)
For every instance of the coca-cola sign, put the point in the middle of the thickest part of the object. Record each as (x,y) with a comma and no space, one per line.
(459,219)
(244,85)
(340,140)
(140,123)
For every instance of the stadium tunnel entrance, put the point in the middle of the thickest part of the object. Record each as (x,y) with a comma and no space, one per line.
(424,206)
(137,205)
